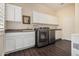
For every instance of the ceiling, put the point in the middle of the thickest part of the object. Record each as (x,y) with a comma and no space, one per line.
(53,6)
(56,6)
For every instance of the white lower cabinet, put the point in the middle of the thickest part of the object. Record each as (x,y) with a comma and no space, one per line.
(10,44)
(75,44)
(19,43)
(1,43)
(29,43)
(30,40)
(19,40)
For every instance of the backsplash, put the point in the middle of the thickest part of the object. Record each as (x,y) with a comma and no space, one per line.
(19,25)
(45,25)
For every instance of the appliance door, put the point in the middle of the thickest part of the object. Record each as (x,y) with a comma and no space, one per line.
(43,36)
(51,36)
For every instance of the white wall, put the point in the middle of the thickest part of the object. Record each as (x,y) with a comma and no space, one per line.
(66,17)
(77,18)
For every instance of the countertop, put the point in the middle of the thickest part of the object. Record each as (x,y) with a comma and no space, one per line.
(24,30)
(18,30)
(55,29)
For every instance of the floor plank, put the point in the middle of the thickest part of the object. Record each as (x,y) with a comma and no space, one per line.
(60,48)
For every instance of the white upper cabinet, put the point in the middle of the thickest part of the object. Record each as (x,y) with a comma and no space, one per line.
(53,20)
(9,12)
(13,13)
(44,18)
(35,17)
(2,13)
(18,13)
(39,17)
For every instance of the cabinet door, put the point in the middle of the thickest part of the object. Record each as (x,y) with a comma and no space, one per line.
(10,44)
(2,9)
(52,20)
(39,17)
(51,36)
(29,40)
(55,20)
(1,42)
(9,12)
(2,13)
(19,42)
(49,19)
(29,43)
(18,14)
(36,17)
(44,18)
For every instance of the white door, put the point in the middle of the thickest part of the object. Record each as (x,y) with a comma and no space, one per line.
(9,12)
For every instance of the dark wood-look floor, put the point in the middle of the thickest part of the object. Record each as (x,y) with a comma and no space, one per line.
(60,48)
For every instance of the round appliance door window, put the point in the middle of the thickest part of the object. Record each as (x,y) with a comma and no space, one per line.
(42,36)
